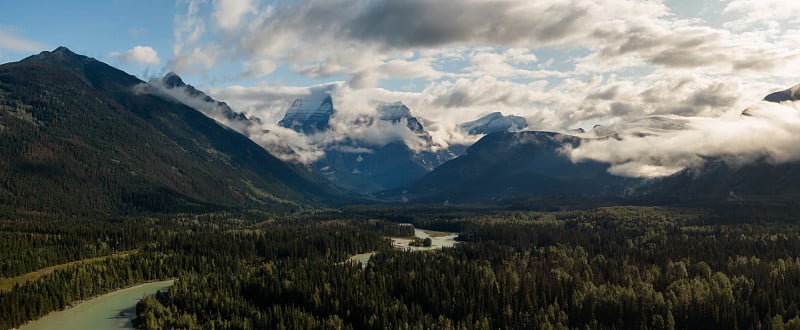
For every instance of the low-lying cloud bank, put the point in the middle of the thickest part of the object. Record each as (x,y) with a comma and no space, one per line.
(667,144)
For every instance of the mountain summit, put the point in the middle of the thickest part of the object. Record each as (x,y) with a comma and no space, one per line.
(173,80)
(495,122)
(309,115)
(396,112)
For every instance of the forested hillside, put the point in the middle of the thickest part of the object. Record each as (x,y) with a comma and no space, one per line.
(504,167)
(76,138)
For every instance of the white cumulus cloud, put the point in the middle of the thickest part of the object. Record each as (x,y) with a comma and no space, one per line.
(228,13)
(138,55)
(11,41)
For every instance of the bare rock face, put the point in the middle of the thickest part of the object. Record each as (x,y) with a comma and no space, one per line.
(791,94)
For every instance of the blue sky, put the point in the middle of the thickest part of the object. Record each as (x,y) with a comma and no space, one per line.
(561,64)
(93,28)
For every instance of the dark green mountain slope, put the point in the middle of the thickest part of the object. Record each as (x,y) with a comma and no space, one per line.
(75,137)
(757,183)
(503,167)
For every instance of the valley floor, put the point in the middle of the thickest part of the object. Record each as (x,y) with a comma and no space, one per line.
(615,267)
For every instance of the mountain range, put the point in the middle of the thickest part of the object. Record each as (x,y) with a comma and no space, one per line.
(79,136)
(353,164)
(366,167)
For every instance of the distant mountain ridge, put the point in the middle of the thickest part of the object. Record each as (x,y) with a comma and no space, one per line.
(212,108)
(504,167)
(76,137)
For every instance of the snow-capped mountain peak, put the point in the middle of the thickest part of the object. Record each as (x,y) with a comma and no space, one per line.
(309,114)
(172,80)
(395,112)
(495,122)
(392,111)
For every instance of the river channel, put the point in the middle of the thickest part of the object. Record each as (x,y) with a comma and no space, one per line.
(109,311)
(438,241)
